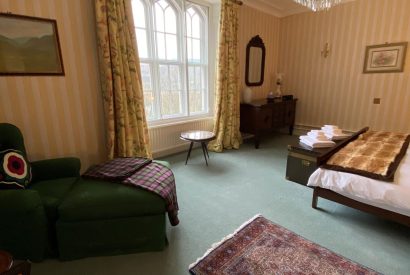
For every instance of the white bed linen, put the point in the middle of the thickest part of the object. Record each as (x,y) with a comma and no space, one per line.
(393,196)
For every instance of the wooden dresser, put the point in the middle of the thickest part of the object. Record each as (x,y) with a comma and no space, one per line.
(259,116)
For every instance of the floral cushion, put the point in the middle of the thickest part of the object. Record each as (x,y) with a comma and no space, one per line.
(15,170)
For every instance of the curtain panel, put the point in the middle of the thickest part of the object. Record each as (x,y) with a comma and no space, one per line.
(226,121)
(126,125)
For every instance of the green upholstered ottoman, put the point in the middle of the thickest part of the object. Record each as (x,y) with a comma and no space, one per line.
(101,218)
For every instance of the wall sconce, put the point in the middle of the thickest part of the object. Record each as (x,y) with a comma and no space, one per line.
(326,50)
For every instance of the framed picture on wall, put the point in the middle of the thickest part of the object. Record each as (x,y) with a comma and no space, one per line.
(29,46)
(385,58)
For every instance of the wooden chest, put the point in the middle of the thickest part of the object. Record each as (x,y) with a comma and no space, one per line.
(304,160)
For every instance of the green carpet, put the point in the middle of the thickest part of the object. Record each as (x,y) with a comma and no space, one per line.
(238,184)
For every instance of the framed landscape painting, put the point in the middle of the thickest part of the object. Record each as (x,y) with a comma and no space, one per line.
(385,58)
(29,46)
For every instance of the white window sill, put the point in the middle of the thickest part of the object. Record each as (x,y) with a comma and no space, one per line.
(178,121)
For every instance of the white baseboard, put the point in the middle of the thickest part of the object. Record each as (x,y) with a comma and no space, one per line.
(173,150)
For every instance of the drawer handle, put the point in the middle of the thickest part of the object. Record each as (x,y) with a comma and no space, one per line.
(305,163)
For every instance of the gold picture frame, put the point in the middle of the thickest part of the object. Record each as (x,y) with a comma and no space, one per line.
(29,46)
(385,58)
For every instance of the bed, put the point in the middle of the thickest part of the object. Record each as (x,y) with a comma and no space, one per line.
(389,200)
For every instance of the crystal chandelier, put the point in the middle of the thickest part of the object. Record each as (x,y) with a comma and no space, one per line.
(318,5)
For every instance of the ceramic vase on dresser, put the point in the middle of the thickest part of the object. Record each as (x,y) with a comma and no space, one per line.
(247,95)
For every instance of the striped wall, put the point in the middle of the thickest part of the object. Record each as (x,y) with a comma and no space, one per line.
(254,22)
(60,115)
(334,90)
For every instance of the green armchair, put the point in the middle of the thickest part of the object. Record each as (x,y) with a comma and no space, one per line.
(27,217)
(64,215)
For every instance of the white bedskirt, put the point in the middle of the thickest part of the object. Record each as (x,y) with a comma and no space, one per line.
(393,196)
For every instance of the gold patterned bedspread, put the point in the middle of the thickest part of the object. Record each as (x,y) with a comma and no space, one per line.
(373,154)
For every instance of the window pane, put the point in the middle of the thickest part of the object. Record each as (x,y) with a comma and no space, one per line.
(196,99)
(164,77)
(198,78)
(174,77)
(138,11)
(189,48)
(146,76)
(163,4)
(170,103)
(196,26)
(191,11)
(172,48)
(170,21)
(161,45)
(191,78)
(142,43)
(159,18)
(148,92)
(188,25)
(196,50)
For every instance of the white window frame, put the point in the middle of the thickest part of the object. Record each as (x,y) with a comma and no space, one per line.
(180,7)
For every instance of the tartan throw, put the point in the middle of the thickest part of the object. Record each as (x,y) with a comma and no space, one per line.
(142,173)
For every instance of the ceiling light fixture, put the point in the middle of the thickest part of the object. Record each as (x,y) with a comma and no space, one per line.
(318,5)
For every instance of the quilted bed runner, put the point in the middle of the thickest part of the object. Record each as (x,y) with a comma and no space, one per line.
(142,173)
(373,154)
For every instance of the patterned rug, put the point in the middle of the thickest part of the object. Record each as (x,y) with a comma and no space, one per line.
(262,247)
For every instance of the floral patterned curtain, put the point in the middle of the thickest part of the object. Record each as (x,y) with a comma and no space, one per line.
(226,122)
(126,125)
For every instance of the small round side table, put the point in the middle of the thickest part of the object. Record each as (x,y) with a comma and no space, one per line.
(198,136)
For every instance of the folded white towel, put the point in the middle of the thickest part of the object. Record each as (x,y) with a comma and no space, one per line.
(318,136)
(316,144)
(328,126)
(316,131)
(333,132)
(337,137)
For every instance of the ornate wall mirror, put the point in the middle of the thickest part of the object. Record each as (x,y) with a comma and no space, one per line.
(255,62)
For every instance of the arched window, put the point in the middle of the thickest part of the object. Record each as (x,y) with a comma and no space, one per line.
(173,55)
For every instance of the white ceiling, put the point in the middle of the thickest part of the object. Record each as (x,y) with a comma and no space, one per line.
(279,8)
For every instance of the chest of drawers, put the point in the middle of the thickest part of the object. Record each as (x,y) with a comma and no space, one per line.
(261,116)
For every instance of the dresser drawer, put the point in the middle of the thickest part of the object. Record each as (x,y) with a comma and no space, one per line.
(264,120)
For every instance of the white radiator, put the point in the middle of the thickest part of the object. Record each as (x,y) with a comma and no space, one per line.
(165,138)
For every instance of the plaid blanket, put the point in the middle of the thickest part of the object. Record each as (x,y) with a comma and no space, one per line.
(142,173)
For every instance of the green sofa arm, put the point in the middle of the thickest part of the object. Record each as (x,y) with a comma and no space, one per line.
(55,168)
(23,224)
(18,202)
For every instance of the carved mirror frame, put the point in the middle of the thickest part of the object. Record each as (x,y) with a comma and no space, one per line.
(256,42)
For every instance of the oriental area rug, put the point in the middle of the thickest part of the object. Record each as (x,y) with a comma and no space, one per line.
(260,247)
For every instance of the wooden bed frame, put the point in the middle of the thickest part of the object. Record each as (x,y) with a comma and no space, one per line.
(382,213)
(333,196)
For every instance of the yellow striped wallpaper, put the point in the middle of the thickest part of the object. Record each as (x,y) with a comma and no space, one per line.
(253,22)
(59,115)
(62,116)
(334,90)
